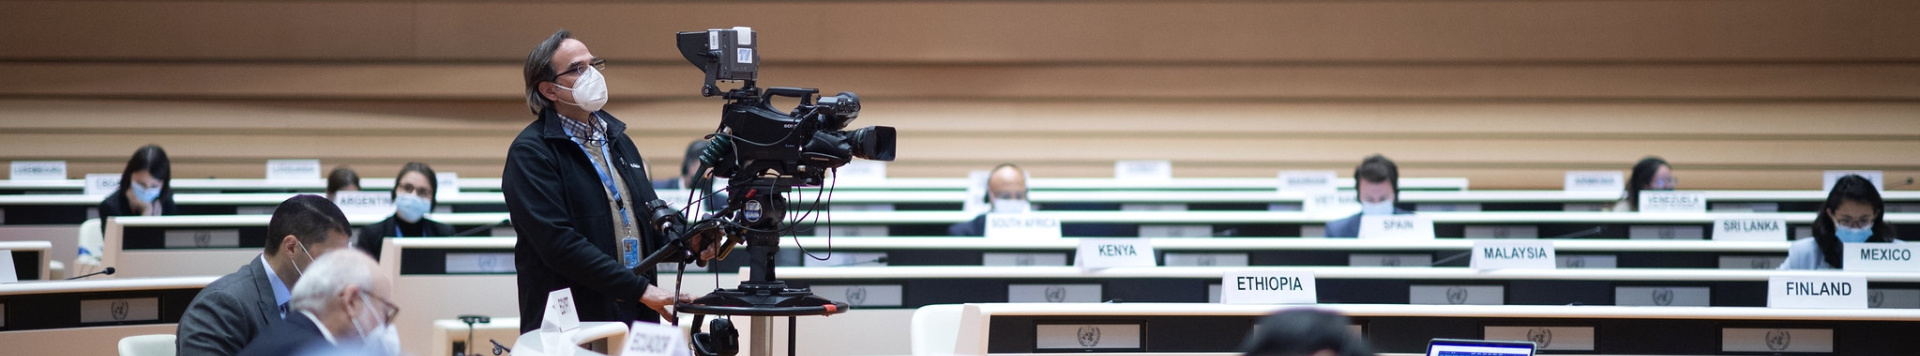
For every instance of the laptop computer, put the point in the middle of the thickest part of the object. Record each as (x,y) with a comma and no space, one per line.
(1458,347)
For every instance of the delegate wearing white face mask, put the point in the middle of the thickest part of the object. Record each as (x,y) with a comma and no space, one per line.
(589,91)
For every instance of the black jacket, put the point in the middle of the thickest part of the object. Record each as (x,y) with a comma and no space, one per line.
(372,234)
(116,205)
(566,232)
(297,335)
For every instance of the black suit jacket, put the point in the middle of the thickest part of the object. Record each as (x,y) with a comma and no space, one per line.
(228,313)
(566,233)
(292,336)
(116,205)
(372,234)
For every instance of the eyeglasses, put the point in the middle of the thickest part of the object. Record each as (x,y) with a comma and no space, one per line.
(596,63)
(409,188)
(392,309)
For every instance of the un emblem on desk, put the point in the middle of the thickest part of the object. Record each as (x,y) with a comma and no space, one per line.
(119,309)
(1205,261)
(1761,263)
(486,263)
(1023,260)
(1662,297)
(1390,261)
(1874,298)
(1089,336)
(1456,295)
(1541,337)
(202,238)
(1778,340)
(857,295)
(1056,294)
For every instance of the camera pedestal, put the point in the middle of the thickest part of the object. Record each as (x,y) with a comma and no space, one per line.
(763,298)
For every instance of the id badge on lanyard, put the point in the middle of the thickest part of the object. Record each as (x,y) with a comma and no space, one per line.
(630,248)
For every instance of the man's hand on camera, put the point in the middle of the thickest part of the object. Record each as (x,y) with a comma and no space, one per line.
(658,299)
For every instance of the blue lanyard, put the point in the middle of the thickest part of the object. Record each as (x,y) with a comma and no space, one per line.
(396,231)
(604,178)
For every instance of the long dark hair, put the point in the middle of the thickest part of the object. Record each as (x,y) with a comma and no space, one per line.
(1856,189)
(1642,175)
(153,159)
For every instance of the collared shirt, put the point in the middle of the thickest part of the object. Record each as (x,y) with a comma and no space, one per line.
(322,326)
(281,295)
(581,131)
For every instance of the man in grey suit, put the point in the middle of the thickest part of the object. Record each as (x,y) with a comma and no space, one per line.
(229,312)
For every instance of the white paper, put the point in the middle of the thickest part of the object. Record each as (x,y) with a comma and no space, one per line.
(38,170)
(1268,287)
(364,202)
(1750,230)
(976,201)
(1143,170)
(449,184)
(1595,181)
(1331,204)
(101,184)
(1403,227)
(7,273)
(1877,177)
(650,339)
(293,169)
(560,313)
(1879,257)
(1817,292)
(1672,202)
(1022,226)
(1105,253)
(1309,181)
(1517,254)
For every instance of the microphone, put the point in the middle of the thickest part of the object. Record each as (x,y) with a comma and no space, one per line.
(478,230)
(1582,233)
(881,259)
(109,271)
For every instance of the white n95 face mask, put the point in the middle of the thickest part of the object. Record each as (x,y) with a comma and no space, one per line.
(1011,206)
(589,91)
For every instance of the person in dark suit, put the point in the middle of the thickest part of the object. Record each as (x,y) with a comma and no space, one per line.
(229,312)
(413,198)
(1377,182)
(342,306)
(146,187)
(578,194)
(1006,193)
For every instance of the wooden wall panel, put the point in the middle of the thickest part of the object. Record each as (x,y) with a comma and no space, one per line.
(1738,94)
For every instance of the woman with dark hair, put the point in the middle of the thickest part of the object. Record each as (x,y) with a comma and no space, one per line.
(1304,332)
(1652,173)
(146,186)
(413,197)
(1853,213)
(342,179)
